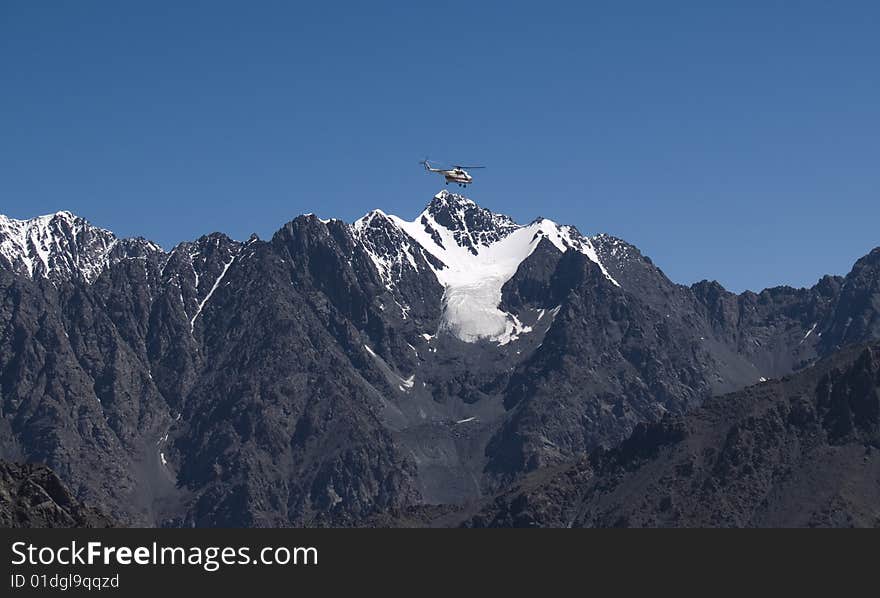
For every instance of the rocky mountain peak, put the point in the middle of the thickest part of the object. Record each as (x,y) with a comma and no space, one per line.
(63,246)
(471,225)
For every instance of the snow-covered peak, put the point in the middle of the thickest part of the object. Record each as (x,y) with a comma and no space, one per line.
(376,217)
(472,227)
(62,246)
(444,200)
(472,252)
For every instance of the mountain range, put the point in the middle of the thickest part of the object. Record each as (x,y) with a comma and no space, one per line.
(457,368)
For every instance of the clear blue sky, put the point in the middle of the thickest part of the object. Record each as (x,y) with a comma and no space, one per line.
(728,140)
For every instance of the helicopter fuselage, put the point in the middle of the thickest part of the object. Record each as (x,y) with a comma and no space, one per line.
(458,176)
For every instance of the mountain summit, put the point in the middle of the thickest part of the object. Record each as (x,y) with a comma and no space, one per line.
(473,252)
(471,226)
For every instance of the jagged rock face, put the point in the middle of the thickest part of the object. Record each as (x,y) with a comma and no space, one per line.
(33,496)
(214,387)
(633,362)
(405,270)
(338,372)
(857,313)
(796,452)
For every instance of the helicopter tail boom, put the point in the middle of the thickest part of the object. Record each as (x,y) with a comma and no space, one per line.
(428,167)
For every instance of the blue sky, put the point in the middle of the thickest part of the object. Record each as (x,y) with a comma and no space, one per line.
(737,141)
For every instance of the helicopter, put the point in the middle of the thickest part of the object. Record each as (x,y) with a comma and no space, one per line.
(456,174)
